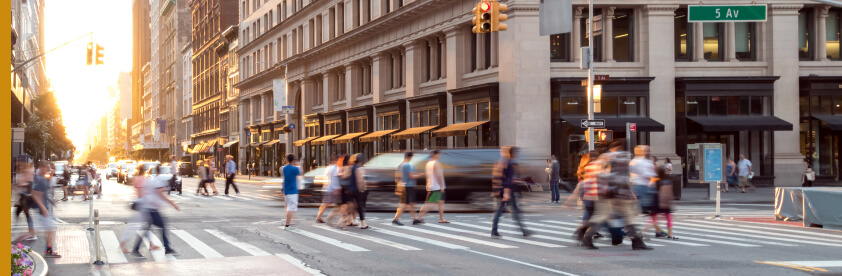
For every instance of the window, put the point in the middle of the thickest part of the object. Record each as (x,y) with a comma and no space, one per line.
(623,25)
(683,37)
(597,40)
(729,106)
(745,33)
(388,121)
(574,106)
(714,40)
(560,47)
(471,112)
(832,25)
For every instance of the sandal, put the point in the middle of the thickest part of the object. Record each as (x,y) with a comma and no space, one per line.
(352,224)
(672,237)
(443,221)
(366,227)
(320,221)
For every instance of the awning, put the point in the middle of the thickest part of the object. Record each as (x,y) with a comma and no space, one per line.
(229,144)
(304,141)
(457,129)
(270,143)
(210,145)
(618,124)
(374,136)
(741,123)
(198,148)
(412,133)
(186,148)
(833,122)
(347,138)
(323,140)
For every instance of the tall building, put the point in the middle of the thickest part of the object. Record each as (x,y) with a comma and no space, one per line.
(209,17)
(141,55)
(186,131)
(174,24)
(232,99)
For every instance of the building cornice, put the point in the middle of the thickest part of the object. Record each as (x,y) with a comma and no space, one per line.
(278,28)
(207,101)
(263,75)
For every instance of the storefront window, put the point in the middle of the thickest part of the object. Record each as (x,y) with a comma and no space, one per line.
(387,122)
(484,111)
(805,34)
(471,113)
(633,106)
(683,36)
(434,117)
(745,43)
(597,41)
(623,25)
(714,40)
(574,106)
(458,114)
(560,47)
(609,106)
(832,25)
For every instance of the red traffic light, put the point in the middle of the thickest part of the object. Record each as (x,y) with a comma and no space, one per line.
(484,6)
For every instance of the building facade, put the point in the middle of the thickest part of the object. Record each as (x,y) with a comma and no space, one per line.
(230,118)
(174,32)
(186,99)
(141,55)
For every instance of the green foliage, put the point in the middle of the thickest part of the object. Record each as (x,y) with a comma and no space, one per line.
(45,132)
(21,262)
(98,154)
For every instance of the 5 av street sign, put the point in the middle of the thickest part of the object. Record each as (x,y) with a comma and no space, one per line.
(593,123)
(731,13)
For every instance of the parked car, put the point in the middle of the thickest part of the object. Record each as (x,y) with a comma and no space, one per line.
(164,173)
(131,172)
(186,169)
(124,172)
(111,170)
(62,172)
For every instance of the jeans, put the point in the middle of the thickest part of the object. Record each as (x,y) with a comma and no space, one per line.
(154,219)
(229,181)
(644,196)
(515,213)
(554,190)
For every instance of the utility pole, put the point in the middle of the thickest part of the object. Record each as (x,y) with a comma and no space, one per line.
(590,74)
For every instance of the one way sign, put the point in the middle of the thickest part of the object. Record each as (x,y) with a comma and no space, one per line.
(593,123)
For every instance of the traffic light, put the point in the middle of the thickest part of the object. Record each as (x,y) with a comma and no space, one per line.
(90,53)
(482,18)
(604,135)
(497,17)
(100,55)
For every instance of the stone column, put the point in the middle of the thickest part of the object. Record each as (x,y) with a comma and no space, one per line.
(307,95)
(698,42)
(608,35)
(783,20)
(731,42)
(576,35)
(433,43)
(350,87)
(660,59)
(366,76)
(379,76)
(821,42)
(327,87)
(395,57)
(413,72)
(455,65)
(443,61)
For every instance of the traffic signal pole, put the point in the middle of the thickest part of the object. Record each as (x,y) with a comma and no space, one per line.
(590,75)
(17,66)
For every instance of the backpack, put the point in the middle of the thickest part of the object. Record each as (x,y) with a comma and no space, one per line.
(617,178)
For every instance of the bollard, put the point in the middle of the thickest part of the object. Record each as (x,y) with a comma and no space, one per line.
(91,212)
(718,189)
(96,239)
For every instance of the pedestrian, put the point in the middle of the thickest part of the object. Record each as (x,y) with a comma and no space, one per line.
(435,188)
(642,171)
(588,190)
(616,197)
(291,173)
(668,166)
(212,174)
(84,181)
(174,171)
(230,172)
(24,181)
(66,181)
(809,175)
(138,218)
(554,179)
(203,177)
(329,190)
(662,205)
(744,173)
(153,197)
(731,174)
(357,192)
(505,189)
(40,194)
(405,189)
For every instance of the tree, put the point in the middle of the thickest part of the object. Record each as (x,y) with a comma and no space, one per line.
(45,132)
(98,154)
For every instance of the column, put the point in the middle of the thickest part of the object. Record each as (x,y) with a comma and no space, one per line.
(366,77)
(327,87)
(730,42)
(698,42)
(494,48)
(396,70)
(576,35)
(351,70)
(413,73)
(258,100)
(379,76)
(608,35)
(307,93)
(821,42)
(783,54)
(443,61)
(433,43)
(479,52)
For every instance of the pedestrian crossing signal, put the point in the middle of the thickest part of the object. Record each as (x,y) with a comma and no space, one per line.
(482,17)
(90,59)
(601,136)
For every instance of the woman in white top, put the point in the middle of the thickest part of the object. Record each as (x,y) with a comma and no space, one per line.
(330,190)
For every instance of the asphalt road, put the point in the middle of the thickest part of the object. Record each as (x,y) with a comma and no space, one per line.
(244,234)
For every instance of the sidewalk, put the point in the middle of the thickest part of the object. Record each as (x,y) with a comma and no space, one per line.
(251,265)
(254,179)
(689,196)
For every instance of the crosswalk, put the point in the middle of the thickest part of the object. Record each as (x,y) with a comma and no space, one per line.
(471,234)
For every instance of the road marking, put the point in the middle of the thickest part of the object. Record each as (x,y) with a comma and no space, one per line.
(523,263)
(113,252)
(264,197)
(331,241)
(251,249)
(684,237)
(370,238)
(503,224)
(804,268)
(181,197)
(196,244)
(764,235)
(814,264)
(768,228)
(537,236)
(221,197)
(455,237)
(602,241)
(667,241)
(300,264)
(199,197)
(420,239)
(273,186)
(521,240)
(691,232)
(239,197)
(157,255)
(222,220)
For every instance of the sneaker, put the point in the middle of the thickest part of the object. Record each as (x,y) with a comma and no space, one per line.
(31,238)
(169,251)
(672,237)
(51,255)
(661,235)
(320,221)
(417,221)
(137,255)
(496,236)
(527,234)
(398,223)
(288,228)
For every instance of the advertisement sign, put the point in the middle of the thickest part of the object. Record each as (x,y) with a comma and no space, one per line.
(713,163)
(279,95)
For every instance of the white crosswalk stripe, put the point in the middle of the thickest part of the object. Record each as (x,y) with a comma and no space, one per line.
(180,197)
(331,241)
(693,231)
(251,249)
(300,264)
(197,244)
(420,239)
(765,235)
(521,240)
(455,237)
(240,197)
(557,232)
(800,232)
(111,244)
(537,236)
(370,238)
(157,255)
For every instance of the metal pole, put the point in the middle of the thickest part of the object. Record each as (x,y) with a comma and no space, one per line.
(96,239)
(717,200)
(91,204)
(590,74)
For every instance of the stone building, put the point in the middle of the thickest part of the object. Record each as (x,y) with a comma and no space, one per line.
(375,76)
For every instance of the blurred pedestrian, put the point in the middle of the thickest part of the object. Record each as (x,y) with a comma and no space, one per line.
(744,173)
(174,171)
(435,187)
(662,205)
(355,191)
(291,173)
(230,172)
(642,170)
(506,189)
(40,194)
(138,218)
(24,180)
(329,190)
(588,190)
(84,181)
(405,188)
(809,175)
(554,179)
(731,174)
(668,166)
(153,197)
(203,172)
(212,174)
(616,198)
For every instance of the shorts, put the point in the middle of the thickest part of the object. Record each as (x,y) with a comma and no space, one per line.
(291,202)
(47,223)
(435,196)
(743,181)
(408,196)
(331,197)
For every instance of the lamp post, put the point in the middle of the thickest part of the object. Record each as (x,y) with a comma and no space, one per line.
(590,74)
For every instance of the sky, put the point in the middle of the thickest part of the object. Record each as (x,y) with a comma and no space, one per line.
(81,90)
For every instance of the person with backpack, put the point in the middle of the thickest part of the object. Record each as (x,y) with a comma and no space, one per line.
(405,188)
(615,196)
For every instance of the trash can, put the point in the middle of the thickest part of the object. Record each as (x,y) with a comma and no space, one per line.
(676,185)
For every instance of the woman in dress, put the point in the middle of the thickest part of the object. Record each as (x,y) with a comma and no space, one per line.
(731,174)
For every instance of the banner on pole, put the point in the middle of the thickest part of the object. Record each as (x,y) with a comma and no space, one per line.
(279,96)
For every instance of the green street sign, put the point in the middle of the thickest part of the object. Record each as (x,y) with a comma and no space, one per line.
(726,13)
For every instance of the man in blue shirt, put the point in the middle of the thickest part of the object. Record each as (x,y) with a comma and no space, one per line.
(406,189)
(230,172)
(291,173)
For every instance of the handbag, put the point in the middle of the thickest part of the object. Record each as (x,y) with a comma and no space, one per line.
(135,205)
(811,176)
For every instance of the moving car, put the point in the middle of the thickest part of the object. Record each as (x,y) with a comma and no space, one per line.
(164,173)
(111,170)
(131,172)
(124,172)
(62,172)
(186,169)
(313,183)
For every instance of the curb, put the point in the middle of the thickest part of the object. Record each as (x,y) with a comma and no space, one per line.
(692,202)
(40,260)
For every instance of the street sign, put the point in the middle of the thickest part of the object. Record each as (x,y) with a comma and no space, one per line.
(600,77)
(291,126)
(632,127)
(593,123)
(731,13)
